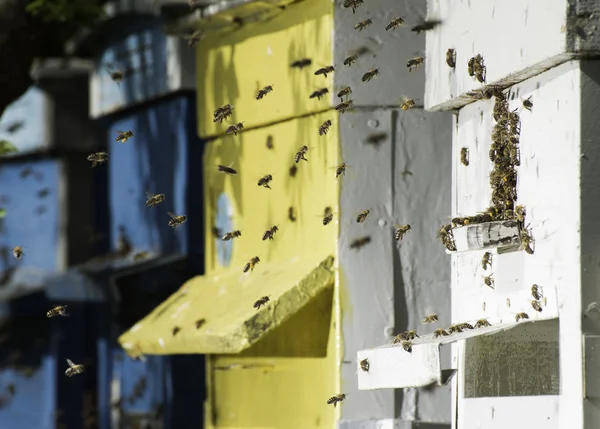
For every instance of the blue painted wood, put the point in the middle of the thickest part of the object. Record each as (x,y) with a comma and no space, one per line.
(135,371)
(23,123)
(32,218)
(224,223)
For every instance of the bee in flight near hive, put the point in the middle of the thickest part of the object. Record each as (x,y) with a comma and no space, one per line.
(260,302)
(364,365)
(344,106)
(116,75)
(370,75)
(340,170)
(414,63)
(451,58)
(327,216)
(176,330)
(123,136)
(349,60)
(536,305)
(194,38)
(360,242)
(432,318)
(223,113)
(291,214)
(59,310)
(401,231)
(425,26)
(344,92)
(265,180)
(225,169)
(464,156)
(363,24)
(251,264)
(527,104)
(324,127)
(97,158)
(154,199)
(486,260)
(269,233)
(335,399)
(535,292)
(140,256)
(353,4)
(489,281)
(73,369)
(396,22)
(440,333)
(18,252)
(234,129)
(325,71)
(300,64)
(407,103)
(362,216)
(263,92)
(301,154)
(199,323)
(231,235)
(175,220)
(521,316)
(482,323)
(319,93)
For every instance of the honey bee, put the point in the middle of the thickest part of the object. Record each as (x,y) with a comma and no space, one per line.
(535,292)
(269,233)
(116,75)
(401,231)
(263,92)
(139,256)
(327,216)
(396,22)
(363,24)
(176,220)
(425,26)
(251,264)
(411,335)
(234,129)
(528,104)
(73,369)
(59,310)
(407,103)
(231,235)
(526,241)
(265,180)
(482,323)
(260,302)
(269,142)
(440,333)
(176,330)
(18,252)
(508,302)
(340,170)
(301,154)
(319,93)
(324,71)
(370,75)
(414,63)
(123,136)
(536,305)
(407,346)
(300,64)
(353,4)
(432,318)
(335,399)
(455,328)
(360,242)
(292,214)
(194,38)
(476,68)
(486,260)
(293,170)
(154,199)
(344,92)
(471,66)
(520,213)
(489,281)
(521,316)
(344,106)
(451,58)
(199,323)
(222,113)
(364,365)
(464,156)
(226,169)
(97,158)
(362,216)
(324,127)
(348,61)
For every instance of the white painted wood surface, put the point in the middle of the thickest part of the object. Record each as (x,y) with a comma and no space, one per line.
(517,412)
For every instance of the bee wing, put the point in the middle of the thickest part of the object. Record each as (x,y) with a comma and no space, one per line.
(150,195)
(171,215)
(70,362)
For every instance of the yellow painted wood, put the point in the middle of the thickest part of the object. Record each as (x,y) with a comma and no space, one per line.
(233,67)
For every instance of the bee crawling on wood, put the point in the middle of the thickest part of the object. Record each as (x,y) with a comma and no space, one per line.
(535,292)
(527,104)
(353,4)
(335,399)
(59,310)
(520,213)
(360,242)
(231,235)
(325,71)
(265,180)
(349,60)
(176,330)
(251,264)
(223,113)
(432,318)
(536,305)
(152,200)
(176,220)
(344,92)
(300,64)
(401,231)
(263,92)
(226,169)
(344,106)
(18,252)
(362,216)
(73,369)
(489,281)
(324,127)
(405,336)
(451,58)
(407,346)
(465,326)
(364,365)
(260,302)
(476,68)
(301,154)
(482,323)
(486,260)
(396,22)
(269,233)
(363,24)
(414,63)
(464,156)
(340,170)
(319,93)
(370,75)
(234,129)
(407,103)
(521,316)
(292,214)
(440,333)
(455,328)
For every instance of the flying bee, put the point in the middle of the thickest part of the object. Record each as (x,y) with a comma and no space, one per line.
(407,346)
(231,235)
(175,220)
(263,92)
(123,136)
(464,156)
(362,216)
(370,75)
(349,60)
(301,154)
(364,365)
(97,158)
(327,216)
(251,264)
(353,4)
(293,170)
(140,256)
(344,106)
(199,323)
(535,292)
(363,24)
(425,26)
(527,103)
(440,333)
(269,233)
(526,241)
(451,57)
(521,316)
(536,305)
(360,242)
(489,280)
(265,180)
(154,199)
(486,260)
(194,38)
(344,92)
(396,22)
(59,310)
(223,113)
(319,93)
(226,169)
(324,71)
(292,214)
(432,318)
(520,213)
(269,142)
(414,63)
(340,170)
(73,369)
(260,302)
(116,75)
(176,330)
(482,323)
(18,252)
(401,231)
(335,399)
(407,103)
(234,129)
(324,127)
(300,64)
